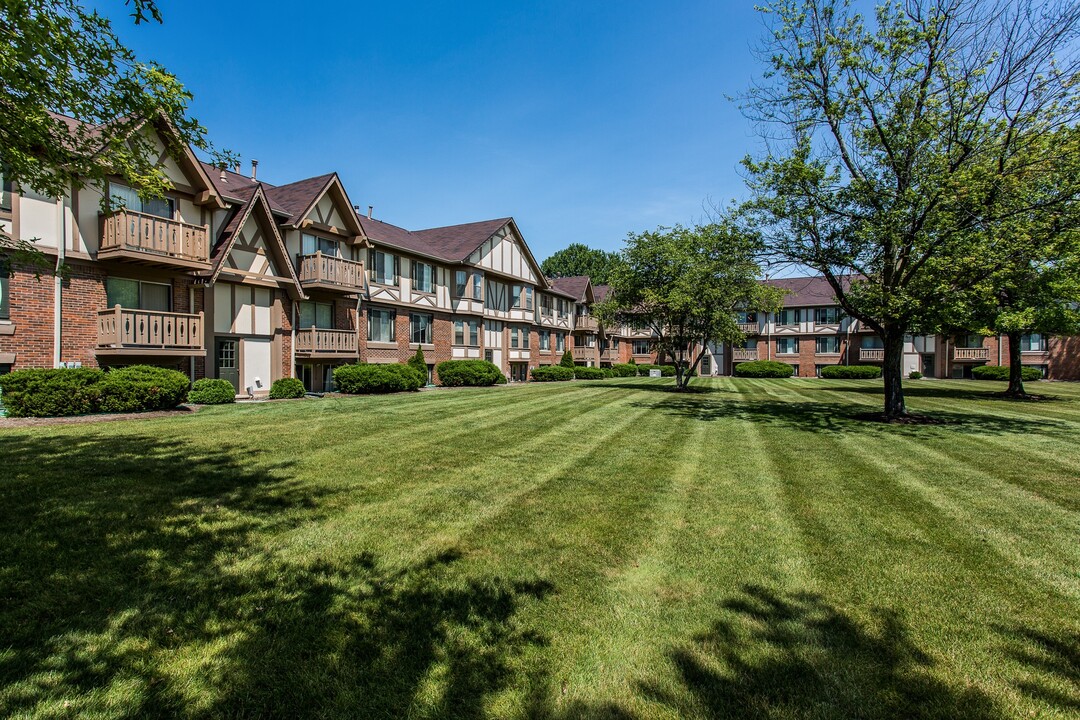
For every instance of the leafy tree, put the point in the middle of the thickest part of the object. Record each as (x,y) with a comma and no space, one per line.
(686,284)
(578,259)
(567,359)
(892,143)
(57,59)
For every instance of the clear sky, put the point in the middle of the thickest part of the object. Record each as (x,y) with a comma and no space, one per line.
(584,120)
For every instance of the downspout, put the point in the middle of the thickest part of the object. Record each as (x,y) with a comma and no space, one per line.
(999,348)
(58,282)
(768,335)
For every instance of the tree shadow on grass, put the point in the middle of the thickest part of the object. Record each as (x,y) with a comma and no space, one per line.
(142,573)
(793,655)
(935,391)
(1054,664)
(816,416)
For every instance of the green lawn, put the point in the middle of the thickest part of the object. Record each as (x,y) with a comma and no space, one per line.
(566,550)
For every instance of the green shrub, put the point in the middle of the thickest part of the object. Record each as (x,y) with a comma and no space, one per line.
(764,369)
(588,373)
(369,378)
(643,369)
(287,388)
(418,362)
(668,370)
(665,370)
(626,370)
(211,391)
(1001,372)
(552,373)
(469,373)
(915,375)
(51,392)
(501,380)
(567,360)
(608,372)
(851,372)
(138,388)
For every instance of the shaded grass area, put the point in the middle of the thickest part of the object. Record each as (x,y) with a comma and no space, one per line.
(604,549)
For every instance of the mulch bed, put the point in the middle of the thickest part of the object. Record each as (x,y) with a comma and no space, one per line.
(9,422)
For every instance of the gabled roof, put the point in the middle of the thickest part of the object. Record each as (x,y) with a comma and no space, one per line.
(383,233)
(257,206)
(600,292)
(807,291)
(457,242)
(238,188)
(575,286)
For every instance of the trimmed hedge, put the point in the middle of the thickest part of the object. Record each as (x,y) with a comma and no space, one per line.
(286,389)
(552,373)
(212,391)
(764,369)
(1001,372)
(665,370)
(851,372)
(588,373)
(60,392)
(467,373)
(915,375)
(624,370)
(371,378)
(139,388)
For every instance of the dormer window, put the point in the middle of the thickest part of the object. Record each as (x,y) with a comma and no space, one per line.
(121,196)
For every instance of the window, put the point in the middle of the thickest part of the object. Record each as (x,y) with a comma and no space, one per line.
(746,317)
(477,287)
(1028,343)
(5,190)
(828,316)
(829,345)
(787,346)
(125,197)
(380,325)
(313,314)
(467,332)
(560,342)
(872,342)
(5,289)
(311,244)
(970,340)
(385,269)
(137,295)
(641,347)
(747,344)
(421,328)
(545,340)
(515,296)
(461,283)
(524,338)
(528,298)
(423,277)
(5,368)
(515,338)
(788,317)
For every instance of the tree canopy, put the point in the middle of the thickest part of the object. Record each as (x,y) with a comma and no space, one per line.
(579,259)
(60,61)
(894,144)
(686,284)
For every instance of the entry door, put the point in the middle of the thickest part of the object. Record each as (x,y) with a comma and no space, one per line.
(706,364)
(928,365)
(227,362)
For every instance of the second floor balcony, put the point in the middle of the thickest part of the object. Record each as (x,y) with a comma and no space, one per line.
(330,272)
(586,354)
(586,323)
(748,328)
(152,240)
(743,354)
(326,343)
(872,354)
(129,331)
(975,354)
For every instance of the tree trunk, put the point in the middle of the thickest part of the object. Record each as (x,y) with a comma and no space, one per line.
(892,371)
(1016,370)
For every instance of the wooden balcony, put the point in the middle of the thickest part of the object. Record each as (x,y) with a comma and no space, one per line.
(743,354)
(611,355)
(748,328)
(586,354)
(871,354)
(586,323)
(124,331)
(324,343)
(979,354)
(154,240)
(330,272)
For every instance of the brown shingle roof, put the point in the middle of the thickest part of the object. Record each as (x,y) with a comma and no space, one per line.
(457,242)
(807,291)
(600,292)
(384,233)
(298,196)
(574,286)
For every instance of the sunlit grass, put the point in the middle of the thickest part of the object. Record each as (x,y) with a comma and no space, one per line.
(754,549)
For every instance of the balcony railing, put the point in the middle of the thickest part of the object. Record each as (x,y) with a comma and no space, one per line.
(320,341)
(974,354)
(125,328)
(587,323)
(585,354)
(128,232)
(872,354)
(319,269)
(743,354)
(610,355)
(748,328)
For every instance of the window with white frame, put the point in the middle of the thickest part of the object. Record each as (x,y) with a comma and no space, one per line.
(316,314)
(515,338)
(421,328)
(311,244)
(1033,343)
(528,298)
(515,296)
(423,277)
(787,346)
(461,283)
(828,345)
(383,268)
(137,294)
(381,325)
(477,286)
(560,342)
(545,339)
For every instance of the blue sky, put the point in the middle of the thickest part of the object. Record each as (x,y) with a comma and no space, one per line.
(583,120)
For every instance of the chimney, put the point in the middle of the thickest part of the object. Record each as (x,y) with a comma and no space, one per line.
(223,178)
(370,208)
(254,167)
(236,167)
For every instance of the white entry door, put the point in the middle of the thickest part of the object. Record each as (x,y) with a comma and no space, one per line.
(256,369)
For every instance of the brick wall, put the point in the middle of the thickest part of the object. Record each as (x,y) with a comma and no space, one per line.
(84,296)
(31,313)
